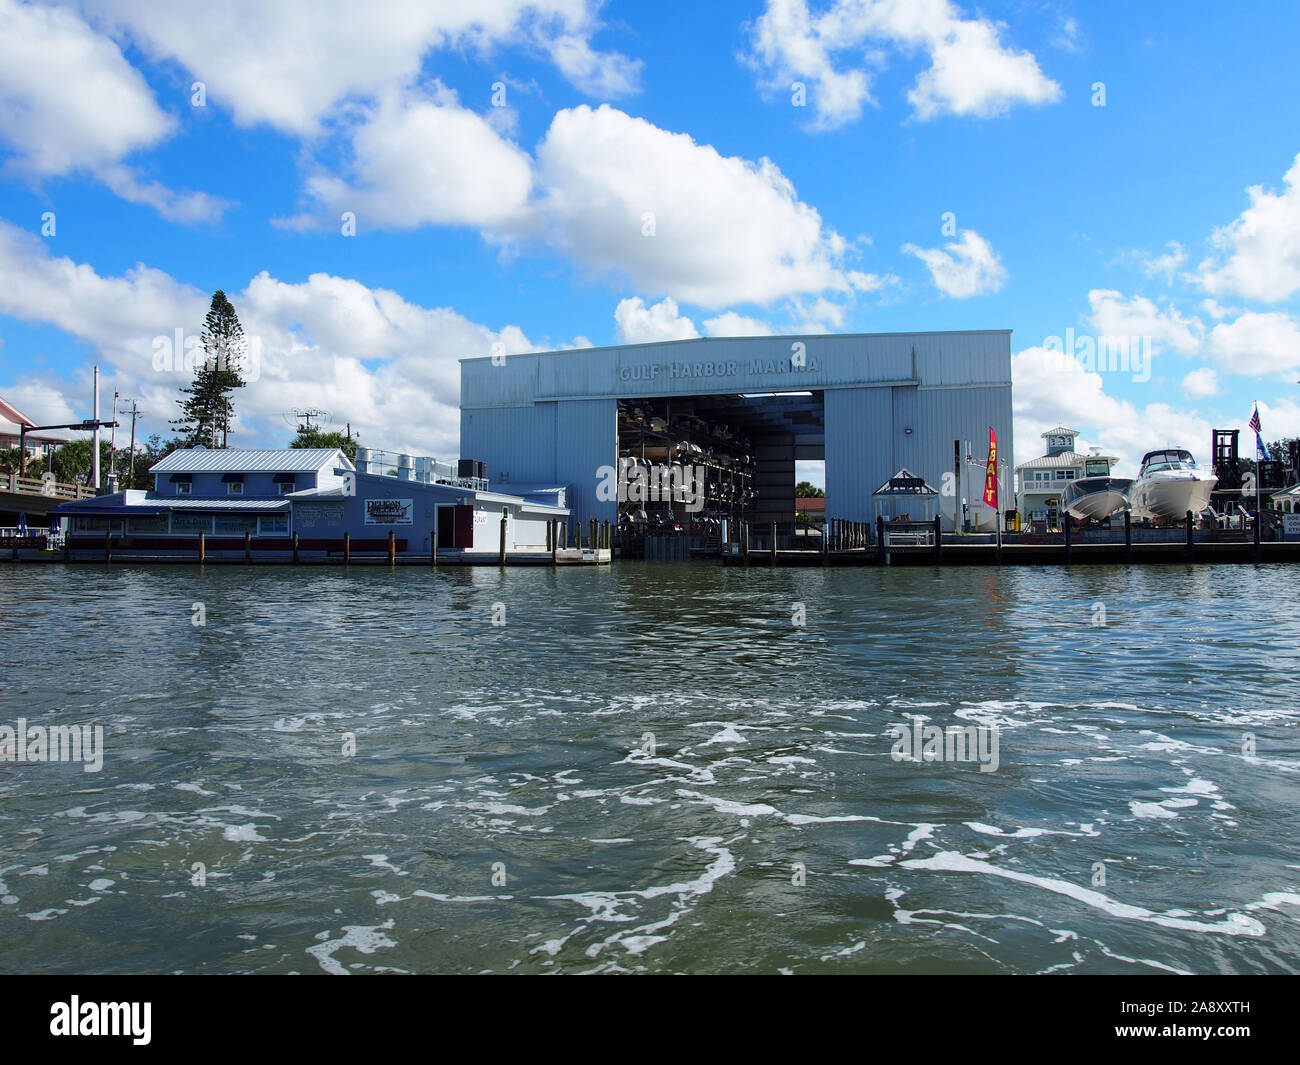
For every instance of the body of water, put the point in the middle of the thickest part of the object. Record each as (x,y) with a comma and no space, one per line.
(652,767)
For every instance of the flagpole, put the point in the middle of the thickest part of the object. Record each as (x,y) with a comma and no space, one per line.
(1259,473)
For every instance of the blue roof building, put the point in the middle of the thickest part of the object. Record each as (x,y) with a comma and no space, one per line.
(264,498)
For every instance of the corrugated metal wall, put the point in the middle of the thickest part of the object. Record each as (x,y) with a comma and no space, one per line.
(551,417)
(586,438)
(517,443)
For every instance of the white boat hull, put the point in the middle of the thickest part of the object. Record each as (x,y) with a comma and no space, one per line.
(1096,498)
(1169,494)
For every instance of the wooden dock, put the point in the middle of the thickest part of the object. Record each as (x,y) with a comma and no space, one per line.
(925,544)
(570,556)
(958,554)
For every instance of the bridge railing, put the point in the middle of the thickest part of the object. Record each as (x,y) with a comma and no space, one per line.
(37,486)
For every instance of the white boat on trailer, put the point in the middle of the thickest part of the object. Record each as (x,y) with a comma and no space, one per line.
(1170,484)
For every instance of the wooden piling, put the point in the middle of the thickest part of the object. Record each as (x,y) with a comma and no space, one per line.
(1128,535)
(773,546)
(295,549)
(744,541)
(108,546)
(1257,517)
(392,547)
(1069,545)
(347,547)
(248,546)
(203,546)
(938,542)
(505,518)
(1191,547)
(882,545)
(555,542)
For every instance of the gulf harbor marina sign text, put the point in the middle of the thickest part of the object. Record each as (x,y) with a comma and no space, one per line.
(676,370)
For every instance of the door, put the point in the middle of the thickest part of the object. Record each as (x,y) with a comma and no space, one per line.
(446,522)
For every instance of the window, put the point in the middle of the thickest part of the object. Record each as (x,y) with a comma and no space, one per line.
(183,522)
(274,525)
(285,489)
(1060,475)
(183,488)
(235,524)
(1069,475)
(154,523)
(235,488)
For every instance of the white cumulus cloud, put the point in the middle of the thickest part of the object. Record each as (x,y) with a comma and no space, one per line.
(837,50)
(1257,344)
(422,159)
(639,324)
(1258,254)
(369,356)
(623,196)
(1049,391)
(964,268)
(292,63)
(1115,315)
(731,324)
(1200,383)
(71,103)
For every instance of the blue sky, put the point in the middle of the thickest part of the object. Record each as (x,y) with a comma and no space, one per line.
(949,168)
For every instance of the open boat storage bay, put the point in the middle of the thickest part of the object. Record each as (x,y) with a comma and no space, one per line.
(653,767)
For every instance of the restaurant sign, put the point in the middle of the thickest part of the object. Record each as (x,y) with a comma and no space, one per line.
(390,511)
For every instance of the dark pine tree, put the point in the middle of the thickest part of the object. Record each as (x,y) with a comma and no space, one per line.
(206,410)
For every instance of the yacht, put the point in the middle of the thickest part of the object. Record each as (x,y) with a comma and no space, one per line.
(1096,498)
(1170,484)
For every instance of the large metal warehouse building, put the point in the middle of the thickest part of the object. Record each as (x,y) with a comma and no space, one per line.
(867,404)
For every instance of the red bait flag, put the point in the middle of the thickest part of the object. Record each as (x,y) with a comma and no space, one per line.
(991,473)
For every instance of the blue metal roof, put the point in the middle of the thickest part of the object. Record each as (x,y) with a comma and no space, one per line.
(156,504)
(230,460)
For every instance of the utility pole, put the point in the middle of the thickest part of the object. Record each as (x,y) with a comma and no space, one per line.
(94,457)
(130,475)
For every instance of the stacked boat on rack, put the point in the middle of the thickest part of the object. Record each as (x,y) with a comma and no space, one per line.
(1168,485)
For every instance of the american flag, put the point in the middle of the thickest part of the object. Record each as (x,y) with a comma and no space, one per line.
(1254,420)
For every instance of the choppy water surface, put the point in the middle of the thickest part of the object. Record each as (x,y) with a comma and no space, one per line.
(519,751)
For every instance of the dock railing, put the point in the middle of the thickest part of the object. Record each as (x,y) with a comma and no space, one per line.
(36,486)
(909,534)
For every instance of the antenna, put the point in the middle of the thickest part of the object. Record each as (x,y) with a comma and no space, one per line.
(300,418)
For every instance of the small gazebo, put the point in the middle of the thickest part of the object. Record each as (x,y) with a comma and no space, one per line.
(901,494)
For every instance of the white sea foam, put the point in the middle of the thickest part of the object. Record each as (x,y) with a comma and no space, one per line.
(1236,924)
(727,735)
(361,938)
(380,861)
